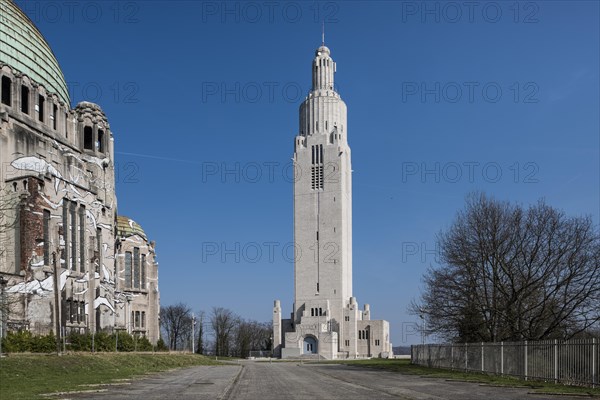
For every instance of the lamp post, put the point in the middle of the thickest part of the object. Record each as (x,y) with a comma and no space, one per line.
(193,331)
(422,326)
(128,327)
(57,324)
(3,283)
(56,269)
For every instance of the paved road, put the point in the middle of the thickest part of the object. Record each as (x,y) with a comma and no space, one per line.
(202,383)
(295,381)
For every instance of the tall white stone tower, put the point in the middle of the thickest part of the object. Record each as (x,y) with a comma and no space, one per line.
(325,318)
(323,197)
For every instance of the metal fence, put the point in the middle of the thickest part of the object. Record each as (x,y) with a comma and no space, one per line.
(573,362)
(261,354)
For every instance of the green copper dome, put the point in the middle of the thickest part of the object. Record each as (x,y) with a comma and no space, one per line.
(127,227)
(24,48)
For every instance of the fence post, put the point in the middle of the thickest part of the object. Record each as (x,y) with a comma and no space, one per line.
(452,356)
(482,358)
(429,356)
(555,360)
(594,363)
(501,358)
(525,370)
(466,356)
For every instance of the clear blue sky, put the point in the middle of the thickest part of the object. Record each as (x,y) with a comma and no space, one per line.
(491,98)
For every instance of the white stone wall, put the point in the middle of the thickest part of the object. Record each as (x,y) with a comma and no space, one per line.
(377,341)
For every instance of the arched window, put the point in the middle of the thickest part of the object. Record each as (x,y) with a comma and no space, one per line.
(54,116)
(100,142)
(136,267)
(41,105)
(128,272)
(24,99)
(88,138)
(6,90)
(143,272)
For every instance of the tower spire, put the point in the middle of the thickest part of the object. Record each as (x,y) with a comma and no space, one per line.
(323,33)
(323,67)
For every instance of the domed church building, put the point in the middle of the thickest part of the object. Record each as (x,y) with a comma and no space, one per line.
(68,262)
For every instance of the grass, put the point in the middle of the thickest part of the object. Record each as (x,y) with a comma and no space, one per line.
(24,376)
(405,367)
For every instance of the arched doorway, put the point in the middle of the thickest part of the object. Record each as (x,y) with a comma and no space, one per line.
(310,345)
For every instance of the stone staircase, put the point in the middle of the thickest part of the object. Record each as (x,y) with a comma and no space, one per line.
(310,357)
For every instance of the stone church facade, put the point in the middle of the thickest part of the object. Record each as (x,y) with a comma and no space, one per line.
(326,320)
(70,261)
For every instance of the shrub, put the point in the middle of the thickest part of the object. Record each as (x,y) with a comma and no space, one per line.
(161,346)
(43,344)
(79,342)
(104,342)
(17,342)
(143,344)
(126,342)
(25,341)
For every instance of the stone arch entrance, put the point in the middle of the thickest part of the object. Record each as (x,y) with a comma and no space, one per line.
(310,345)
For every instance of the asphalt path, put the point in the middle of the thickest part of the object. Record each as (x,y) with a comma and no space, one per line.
(254,380)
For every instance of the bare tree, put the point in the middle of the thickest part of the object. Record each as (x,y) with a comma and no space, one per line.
(511,273)
(201,318)
(176,322)
(9,204)
(252,336)
(223,323)
(241,343)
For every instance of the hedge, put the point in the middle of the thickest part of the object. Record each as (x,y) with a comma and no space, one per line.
(25,341)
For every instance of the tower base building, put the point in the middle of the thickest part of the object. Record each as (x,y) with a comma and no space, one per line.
(326,321)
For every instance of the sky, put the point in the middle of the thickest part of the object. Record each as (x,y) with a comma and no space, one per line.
(444,99)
